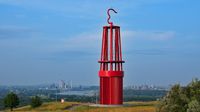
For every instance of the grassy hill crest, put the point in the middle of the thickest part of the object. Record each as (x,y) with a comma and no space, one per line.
(82,107)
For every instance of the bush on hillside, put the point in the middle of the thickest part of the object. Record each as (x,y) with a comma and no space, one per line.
(181,99)
(36,102)
(11,100)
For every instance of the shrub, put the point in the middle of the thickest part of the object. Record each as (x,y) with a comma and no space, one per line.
(36,102)
(182,99)
(11,100)
(193,106)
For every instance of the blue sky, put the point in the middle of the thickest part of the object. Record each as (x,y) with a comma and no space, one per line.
(44,41)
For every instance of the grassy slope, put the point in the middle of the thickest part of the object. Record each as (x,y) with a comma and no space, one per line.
(63,107)
(52,106)
(131,107)
(117,109)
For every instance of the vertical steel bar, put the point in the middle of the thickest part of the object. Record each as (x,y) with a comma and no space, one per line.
(111,47)
(106,49)
(117,47)
(120,51)
(102,50)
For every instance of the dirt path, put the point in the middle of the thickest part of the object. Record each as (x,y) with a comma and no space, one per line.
(73,107)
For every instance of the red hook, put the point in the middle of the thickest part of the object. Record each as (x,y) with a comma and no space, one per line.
(108,12)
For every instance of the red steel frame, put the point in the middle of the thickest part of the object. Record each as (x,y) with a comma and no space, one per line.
(111,71)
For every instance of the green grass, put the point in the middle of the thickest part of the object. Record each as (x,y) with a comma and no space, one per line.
(80,107)
(52,106)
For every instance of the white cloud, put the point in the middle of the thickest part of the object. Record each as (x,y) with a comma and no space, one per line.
(91,41)
(149,35)
(88,42)
(84,41)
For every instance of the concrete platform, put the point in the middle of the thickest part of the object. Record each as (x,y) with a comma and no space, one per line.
(100,105)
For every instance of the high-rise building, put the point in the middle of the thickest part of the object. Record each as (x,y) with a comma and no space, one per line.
(62,84)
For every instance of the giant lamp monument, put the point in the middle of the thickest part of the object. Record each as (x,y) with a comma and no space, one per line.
(111,69)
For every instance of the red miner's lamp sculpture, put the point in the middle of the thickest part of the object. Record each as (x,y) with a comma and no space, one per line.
(111,72)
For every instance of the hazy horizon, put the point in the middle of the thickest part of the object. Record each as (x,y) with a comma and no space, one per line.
(44,42)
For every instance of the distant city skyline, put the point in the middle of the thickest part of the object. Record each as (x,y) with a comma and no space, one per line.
(43,42)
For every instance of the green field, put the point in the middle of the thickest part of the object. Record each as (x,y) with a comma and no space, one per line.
(83,107)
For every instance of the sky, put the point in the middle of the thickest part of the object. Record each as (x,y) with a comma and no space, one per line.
(44,41)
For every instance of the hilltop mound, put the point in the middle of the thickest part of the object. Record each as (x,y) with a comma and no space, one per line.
(81,107)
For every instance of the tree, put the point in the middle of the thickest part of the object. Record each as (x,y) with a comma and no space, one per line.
(182,99)
(11,100)
(36,102)
(194,89)
(174,101)
(193,106)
